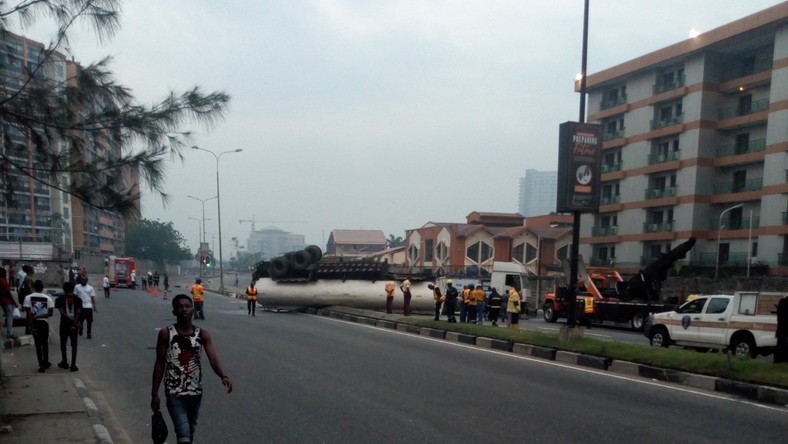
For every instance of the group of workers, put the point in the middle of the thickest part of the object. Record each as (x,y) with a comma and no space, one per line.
(475,303)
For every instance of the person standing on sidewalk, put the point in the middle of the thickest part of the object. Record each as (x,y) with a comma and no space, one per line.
(405,287)
(494,301)
(105,285)
(39,307)
(178,362)
(478,295)
(166,284)
(7,303)
(70,307)
(389,295)
(198,293)
(251,299)
(513,308)
(451,301)
(88,296)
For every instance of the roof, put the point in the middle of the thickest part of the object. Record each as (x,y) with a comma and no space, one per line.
(551,232)
(358,236)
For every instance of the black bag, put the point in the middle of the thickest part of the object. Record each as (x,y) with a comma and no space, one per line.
(158,428)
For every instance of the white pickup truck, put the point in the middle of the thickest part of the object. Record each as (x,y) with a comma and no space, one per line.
(744,323)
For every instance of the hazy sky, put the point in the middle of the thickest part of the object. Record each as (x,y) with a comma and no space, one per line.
(375,114)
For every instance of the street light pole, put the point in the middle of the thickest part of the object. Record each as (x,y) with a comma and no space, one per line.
(199,242)
(219,208)
(719,230)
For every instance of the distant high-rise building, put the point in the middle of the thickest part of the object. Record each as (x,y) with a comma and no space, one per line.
(538,192)
(273,242)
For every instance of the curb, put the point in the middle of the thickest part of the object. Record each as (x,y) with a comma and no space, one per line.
(101,432)
(755,392)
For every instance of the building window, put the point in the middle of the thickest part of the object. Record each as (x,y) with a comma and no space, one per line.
(562,253)
(530,253)
(413,253)
(518,252)
(479,252)
(442,252)
(428,250)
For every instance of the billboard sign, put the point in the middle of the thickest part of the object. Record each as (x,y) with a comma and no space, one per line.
(579,167)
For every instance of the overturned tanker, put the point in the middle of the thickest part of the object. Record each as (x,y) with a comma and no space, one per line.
(305,278)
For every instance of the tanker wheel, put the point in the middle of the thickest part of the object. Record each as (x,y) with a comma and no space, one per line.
(548,312)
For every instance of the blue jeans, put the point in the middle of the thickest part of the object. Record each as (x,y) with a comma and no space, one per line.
(183,413)
(9,320)
(479,312)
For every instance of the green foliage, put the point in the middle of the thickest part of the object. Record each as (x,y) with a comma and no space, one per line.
(719,364)
(394,241)
(66,119)
(156,241)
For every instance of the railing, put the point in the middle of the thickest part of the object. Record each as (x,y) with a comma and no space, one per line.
(738,187)
(742,71)
(733,259)
(732,149)
(613,135)
(609,199)
(661,87)
(735,111)
(604,231)
(609,167)
(658,193)
(658,227)
(670,121)
(729,223)
(610,103)
(662,158)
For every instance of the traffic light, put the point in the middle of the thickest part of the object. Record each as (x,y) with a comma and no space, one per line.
(208,261)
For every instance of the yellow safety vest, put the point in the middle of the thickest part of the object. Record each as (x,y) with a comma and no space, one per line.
(251,294)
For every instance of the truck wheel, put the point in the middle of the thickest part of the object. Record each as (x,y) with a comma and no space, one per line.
(315,252)
(637,321)
(548,311)
(278,267)
(300,260)
(659,337)
(743,346)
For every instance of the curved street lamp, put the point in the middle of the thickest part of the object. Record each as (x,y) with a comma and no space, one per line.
(719,230)
(219,207)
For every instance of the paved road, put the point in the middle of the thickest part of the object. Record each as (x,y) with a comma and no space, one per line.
(302,378)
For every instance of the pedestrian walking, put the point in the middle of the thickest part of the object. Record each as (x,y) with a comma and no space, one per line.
(166,284)
(39,307)
(405,287)
(251,299)
(8,304)
(236,279)
(198,293)
(178,363)
(88,296)
(70,307)
(105,286)
(389,296)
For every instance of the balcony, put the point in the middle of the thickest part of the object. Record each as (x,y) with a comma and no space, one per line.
(659,193)
(664,123)
(658,227)
(661,87)
(604,231)
(738,187)
(729,223)
(736,111)
(610,135)
(733,259)
(662,158)
(607,200)
(612,102)
(743,70)
(732,149)
(610,167)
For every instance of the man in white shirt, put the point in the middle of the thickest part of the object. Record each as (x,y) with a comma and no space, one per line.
(88,296)
(39,306)
(105,284)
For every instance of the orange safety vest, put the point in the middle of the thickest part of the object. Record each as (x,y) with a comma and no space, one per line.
(589,305)
(197,292)
(390,289)
(251,294)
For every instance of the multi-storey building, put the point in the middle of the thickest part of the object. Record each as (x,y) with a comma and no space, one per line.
(272,242)
(38,222)
(696,144)
(538,192)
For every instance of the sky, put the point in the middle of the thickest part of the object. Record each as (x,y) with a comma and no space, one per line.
(381,115)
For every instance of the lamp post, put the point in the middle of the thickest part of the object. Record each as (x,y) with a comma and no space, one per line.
(199,242)
(719,230)
(202,239)
(219,207)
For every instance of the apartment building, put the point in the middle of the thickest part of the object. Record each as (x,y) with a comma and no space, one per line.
(538,190)
(696,144)
(38,222)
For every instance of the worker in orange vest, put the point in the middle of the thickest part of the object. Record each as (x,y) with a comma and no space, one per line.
(251,299)
(389,295)
(198,291)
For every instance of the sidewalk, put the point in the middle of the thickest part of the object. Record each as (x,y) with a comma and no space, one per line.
(44,407)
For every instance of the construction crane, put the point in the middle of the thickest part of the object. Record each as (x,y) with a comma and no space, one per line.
(253,221)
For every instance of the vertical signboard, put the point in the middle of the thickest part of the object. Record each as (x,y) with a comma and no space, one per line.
(579,167)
